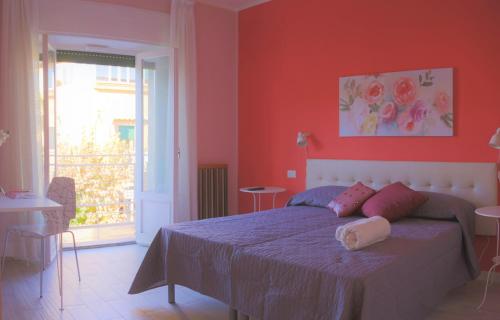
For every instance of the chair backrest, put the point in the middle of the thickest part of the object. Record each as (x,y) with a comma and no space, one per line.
(62,190)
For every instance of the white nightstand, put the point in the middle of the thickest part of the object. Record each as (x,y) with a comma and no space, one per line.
(491,212)
(266,190)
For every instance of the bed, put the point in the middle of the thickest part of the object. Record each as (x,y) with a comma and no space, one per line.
(285,263)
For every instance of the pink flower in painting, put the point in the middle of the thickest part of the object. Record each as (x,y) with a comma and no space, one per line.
(442,102)
(419,111)
(407,125)
(388,112)
(374,93)
(404,91)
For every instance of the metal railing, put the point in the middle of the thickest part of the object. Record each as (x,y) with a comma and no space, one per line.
(111,202)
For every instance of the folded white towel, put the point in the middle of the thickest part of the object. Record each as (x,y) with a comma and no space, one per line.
(363,232)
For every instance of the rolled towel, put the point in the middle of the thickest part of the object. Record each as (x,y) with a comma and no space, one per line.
(363,232)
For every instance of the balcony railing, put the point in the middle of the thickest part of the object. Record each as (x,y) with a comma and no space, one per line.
(104,187)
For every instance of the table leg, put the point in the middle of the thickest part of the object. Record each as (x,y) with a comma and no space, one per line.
(259,201)
(492,269)
(56,242)
(486,287)
(61,269)
(498,243)
(498,233)
(274,200)
(42,264)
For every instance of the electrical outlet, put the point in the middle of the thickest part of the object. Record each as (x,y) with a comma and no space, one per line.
(291,174)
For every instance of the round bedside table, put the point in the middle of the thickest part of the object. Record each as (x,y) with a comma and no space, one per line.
(265,190)
(491,212)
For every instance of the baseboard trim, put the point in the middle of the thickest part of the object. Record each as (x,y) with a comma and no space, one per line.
(103,245)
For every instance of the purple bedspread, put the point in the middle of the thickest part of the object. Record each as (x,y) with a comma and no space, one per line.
(286,264)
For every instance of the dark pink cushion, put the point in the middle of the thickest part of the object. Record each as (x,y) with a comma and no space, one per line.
(350,200)
(393,202)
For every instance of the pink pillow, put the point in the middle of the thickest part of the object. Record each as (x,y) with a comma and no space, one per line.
(393,202)
(350,200)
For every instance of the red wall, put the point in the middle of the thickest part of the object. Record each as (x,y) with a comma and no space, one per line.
(292,53)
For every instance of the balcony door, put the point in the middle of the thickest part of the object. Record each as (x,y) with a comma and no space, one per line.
(154,144)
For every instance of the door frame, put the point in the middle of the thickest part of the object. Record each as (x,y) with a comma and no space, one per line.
(165,199)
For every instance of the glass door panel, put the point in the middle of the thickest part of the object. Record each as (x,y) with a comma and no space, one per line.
(155,73)
(155,148)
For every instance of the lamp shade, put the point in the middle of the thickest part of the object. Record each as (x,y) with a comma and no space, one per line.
(3,136)
(302,139)
(495,140)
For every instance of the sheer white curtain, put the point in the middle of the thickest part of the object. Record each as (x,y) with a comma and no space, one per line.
(21,156)
(159,174)
(183,39)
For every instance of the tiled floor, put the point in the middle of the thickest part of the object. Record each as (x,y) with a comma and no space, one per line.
(108,272)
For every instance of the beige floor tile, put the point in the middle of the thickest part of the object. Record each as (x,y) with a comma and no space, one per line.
(108,272)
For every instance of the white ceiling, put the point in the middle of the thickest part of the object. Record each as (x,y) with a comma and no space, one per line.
(235,5)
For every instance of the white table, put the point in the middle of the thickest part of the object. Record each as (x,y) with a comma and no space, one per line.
(491,212)
(8,205)
(257,194)
(23,205)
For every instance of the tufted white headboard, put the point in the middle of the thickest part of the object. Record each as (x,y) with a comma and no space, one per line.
(475,182)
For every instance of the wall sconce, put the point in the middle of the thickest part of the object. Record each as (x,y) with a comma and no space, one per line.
(495,140)
(495,143)
(4,134)
(302,139)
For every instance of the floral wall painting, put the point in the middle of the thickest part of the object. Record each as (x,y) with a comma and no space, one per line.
(407,103)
